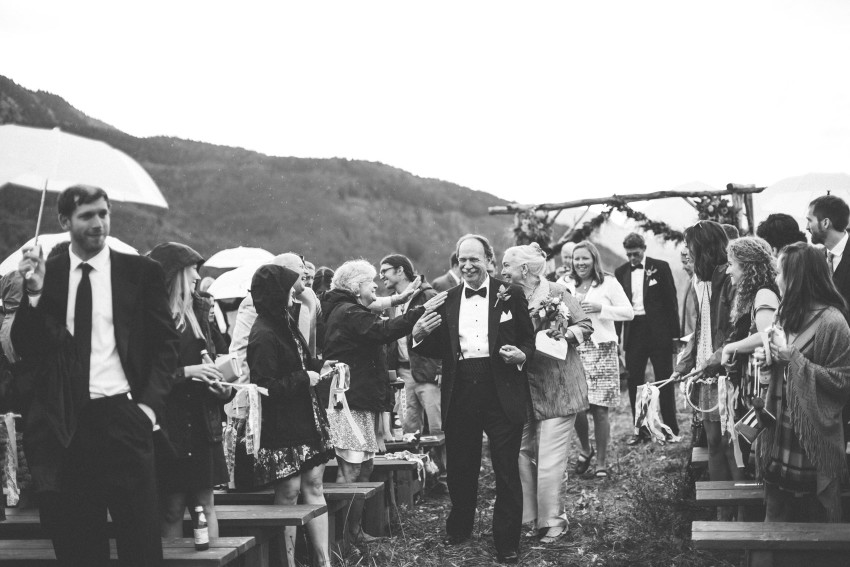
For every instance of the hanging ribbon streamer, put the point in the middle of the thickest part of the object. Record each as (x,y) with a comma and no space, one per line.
(13,492)
(648,413)
(340,383)
(727,394)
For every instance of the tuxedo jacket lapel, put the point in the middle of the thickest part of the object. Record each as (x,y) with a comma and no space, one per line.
(647,262)
(124,292)
(494,312)
(453,317)
(58,290)
(627,281)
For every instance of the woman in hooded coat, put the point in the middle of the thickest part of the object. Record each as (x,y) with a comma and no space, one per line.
(295,442)
(193,408)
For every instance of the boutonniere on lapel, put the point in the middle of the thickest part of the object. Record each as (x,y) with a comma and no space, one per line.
(503,296)
(649,272)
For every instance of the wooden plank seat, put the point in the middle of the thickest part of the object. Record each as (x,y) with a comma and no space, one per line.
(177,552)
(699,458)
(400,478)
(425,442)
(804,544)
(337,495)
(729,493)
(262,522)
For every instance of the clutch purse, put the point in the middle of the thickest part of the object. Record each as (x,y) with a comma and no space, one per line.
(551,347)
(229,368)
(754,422)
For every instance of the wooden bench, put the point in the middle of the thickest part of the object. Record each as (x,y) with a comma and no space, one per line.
(337,496)
(799,544)
(425,442)
(400,478)
(699,458)
(177,552)
(262,522)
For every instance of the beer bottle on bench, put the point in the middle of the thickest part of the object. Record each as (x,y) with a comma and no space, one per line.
(202,532)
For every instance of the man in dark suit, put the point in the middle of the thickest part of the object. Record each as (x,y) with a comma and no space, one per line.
(450,279)
(651,335)
(827,220)
(484,335)
(103,320)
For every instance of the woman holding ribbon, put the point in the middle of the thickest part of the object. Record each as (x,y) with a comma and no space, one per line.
(558,390)
(192,418)
(295,442)
(356,336)
(706,242)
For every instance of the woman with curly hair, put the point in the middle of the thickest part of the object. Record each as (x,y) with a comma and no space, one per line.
(753,272)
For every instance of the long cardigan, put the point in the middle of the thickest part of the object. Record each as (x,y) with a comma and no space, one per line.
(722,298)
(558,387)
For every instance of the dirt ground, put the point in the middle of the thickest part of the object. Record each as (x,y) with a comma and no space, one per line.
(640,516)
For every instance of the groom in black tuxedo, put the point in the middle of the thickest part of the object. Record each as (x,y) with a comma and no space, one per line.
(651,335)
(99,323)
(484,335)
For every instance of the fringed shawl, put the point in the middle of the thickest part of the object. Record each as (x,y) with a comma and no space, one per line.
(817,387)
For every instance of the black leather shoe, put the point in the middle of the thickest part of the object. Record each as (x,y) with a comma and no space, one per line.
(454,539)
(509,558)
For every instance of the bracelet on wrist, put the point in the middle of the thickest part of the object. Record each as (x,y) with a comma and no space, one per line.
(33,292)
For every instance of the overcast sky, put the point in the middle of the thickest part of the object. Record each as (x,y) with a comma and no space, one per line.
(531,101)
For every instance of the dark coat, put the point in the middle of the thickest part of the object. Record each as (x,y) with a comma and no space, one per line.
(422,368)
(275,363)
(511,382)
(147,345)
(659,302)
(356,336)
(841,276)
(444,282)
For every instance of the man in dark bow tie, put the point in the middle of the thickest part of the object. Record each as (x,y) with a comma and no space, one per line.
(651,335)
(484,335)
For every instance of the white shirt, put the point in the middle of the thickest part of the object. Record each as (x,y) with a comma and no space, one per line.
(106,376)
(637,291)
(402,342)
(838,251)
(473,322)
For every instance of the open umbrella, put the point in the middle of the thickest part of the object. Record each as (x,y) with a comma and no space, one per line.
(52,160)
(793,194)
(238,257)
(48,241)
(235,283)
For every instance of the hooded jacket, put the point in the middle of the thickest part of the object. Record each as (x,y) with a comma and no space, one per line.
(356,336)
(275,362)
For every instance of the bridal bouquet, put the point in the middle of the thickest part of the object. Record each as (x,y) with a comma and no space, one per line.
(554,315)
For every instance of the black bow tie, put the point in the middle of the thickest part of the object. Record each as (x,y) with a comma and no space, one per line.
(482,291)
(638,267)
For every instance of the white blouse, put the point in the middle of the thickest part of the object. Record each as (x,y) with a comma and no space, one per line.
(615,307)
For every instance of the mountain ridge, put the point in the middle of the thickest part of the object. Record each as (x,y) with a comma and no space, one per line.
(330,209)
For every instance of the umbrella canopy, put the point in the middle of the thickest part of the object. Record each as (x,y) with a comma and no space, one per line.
(235,283)
(48,241)
(238,257)
(793,194)
(39,158)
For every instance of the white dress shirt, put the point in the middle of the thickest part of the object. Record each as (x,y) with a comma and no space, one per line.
(106,376)
(838,251)
(637,291)
(473,322)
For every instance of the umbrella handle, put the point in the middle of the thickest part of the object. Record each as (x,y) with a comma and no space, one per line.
(38,222)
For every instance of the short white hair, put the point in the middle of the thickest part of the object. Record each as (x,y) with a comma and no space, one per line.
(352,274)
(531,255)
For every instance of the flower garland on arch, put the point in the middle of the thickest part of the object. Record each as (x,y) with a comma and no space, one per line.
(717,209)
(534,226)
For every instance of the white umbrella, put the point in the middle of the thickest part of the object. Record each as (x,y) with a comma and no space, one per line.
(793,194)
(238,257)
(233,284)
(48,241)
(52,160)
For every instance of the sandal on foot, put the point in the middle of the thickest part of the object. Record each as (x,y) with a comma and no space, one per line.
(601,474)
(583,461)
(552,534)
